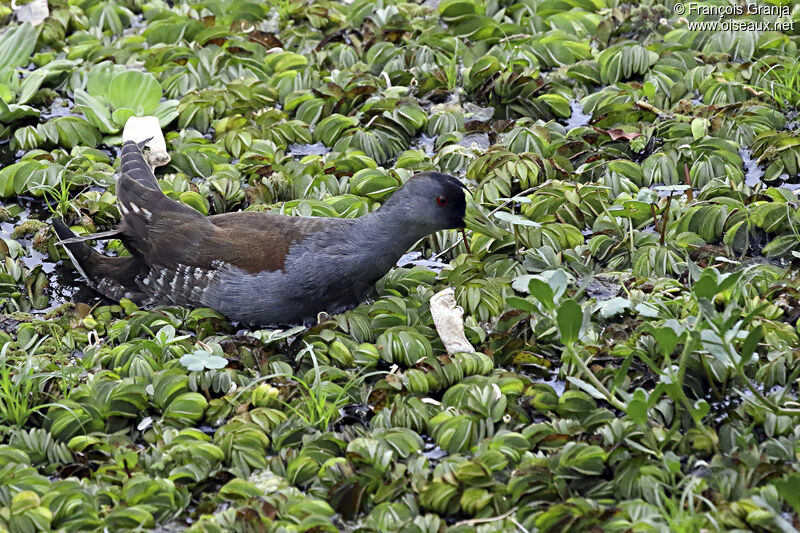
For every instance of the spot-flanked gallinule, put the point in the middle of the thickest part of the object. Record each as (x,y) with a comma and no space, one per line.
(256,268)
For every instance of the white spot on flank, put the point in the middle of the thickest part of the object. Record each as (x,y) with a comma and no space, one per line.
(147,214)
(135,208)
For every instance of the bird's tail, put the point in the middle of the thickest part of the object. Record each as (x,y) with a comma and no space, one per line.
(113,277)
(79,252)
(134,171)
(133,165)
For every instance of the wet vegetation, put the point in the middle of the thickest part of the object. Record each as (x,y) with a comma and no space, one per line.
(632,293)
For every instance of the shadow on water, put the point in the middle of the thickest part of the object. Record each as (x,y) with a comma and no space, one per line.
(6,155)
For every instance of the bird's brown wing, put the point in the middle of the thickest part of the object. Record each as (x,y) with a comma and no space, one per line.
(168,233)
(261,241)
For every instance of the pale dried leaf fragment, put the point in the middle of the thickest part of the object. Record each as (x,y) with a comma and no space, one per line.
(138,129)
(449,321)
(34,12)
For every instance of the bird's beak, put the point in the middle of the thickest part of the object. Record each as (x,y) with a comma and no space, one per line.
(476,220)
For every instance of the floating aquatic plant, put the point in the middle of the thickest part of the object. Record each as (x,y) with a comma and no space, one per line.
(629,282)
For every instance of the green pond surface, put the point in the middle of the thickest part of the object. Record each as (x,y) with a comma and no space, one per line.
(630,288)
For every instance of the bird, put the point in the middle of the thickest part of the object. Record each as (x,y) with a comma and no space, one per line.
(254,267)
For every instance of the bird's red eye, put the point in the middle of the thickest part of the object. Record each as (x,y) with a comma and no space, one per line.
(441,200)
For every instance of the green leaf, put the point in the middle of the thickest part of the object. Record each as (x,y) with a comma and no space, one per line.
(135,90)
(789,490)
(456,433)
(569,319)
(166,112)
(283,61)
(699,410)
(121,116)
(666,338)
(699,128)
(194,200)
(750,344)
(521,303)
(187,409)
(712,283)
(542,292)
(74,131)
(590,389)
(100,77)
(31,84)
(16,46)
(331,128)
(373,183)
(516,220)
(781,246)
(637,408)
(613,306)
(456,9)
(558,104)
(12,113)
(97,113)
(521,283)
(646,309)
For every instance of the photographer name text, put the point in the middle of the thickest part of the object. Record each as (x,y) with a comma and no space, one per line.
(722,17)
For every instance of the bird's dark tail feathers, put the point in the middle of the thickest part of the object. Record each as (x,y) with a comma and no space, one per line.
(134,171)
(78,252)
(113,277)
(135,167)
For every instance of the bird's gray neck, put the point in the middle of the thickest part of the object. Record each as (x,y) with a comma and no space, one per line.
(389,232)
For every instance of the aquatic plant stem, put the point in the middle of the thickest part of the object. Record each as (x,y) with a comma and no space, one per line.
(653,109)
(507,514)
(664,219)
(688,179)
(610,398)
(775,408)
(465,241)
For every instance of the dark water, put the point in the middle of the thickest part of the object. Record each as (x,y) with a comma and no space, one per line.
(65,285)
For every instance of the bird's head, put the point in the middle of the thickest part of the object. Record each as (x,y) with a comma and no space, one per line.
(430,199)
